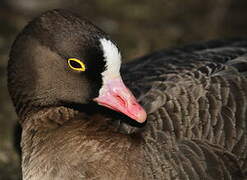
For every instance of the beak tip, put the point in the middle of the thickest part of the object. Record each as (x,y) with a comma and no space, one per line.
(142,116)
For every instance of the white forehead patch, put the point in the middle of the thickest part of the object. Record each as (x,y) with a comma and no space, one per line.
(112,58)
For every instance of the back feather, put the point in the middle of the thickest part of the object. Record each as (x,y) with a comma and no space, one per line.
(196,98)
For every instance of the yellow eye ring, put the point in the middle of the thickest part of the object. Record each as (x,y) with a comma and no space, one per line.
(76,64)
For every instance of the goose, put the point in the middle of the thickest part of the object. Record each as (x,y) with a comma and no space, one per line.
(83,117)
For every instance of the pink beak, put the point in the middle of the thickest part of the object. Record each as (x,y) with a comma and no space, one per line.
(115,95)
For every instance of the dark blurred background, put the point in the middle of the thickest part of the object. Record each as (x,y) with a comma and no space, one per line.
(139,27)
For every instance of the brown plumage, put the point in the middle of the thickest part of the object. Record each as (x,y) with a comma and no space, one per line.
(196,99)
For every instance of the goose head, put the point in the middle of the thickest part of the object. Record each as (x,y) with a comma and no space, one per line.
(60,59)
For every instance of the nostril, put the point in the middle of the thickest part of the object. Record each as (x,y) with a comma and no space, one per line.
(135,104)
(120,100)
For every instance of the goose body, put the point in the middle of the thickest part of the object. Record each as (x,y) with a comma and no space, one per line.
(195,98)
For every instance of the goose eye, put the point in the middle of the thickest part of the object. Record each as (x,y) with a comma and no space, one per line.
(76,64)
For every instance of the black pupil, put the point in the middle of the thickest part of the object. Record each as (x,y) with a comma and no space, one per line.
(75,64)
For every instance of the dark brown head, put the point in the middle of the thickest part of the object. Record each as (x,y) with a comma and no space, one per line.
(60,59)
